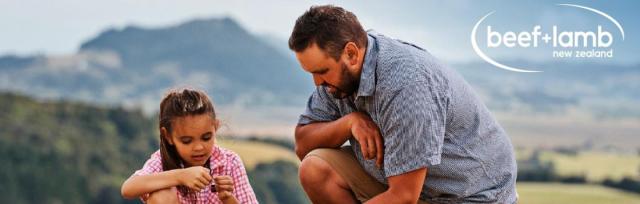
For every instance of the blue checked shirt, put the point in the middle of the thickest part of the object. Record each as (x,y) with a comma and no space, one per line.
(428,117)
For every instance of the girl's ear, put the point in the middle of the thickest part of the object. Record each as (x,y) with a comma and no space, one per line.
(216,124)
(165,135)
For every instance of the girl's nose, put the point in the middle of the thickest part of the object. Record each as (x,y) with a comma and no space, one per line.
(198,146)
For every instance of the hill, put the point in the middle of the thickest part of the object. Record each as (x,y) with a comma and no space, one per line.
(134,65)
(68,152)
(71,152)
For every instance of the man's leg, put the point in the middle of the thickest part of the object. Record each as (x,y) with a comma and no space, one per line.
(322,183)
(169,195)
(335,176)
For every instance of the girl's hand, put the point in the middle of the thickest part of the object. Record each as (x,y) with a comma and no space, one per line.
(224,187)
(195,178)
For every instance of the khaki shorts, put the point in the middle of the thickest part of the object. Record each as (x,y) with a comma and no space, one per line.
(342,160)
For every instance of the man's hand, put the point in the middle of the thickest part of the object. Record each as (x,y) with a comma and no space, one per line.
(332,134)
(367,133)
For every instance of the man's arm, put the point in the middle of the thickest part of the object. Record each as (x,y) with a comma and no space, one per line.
(414,135)
(335,133)
(330,134)
(403,188)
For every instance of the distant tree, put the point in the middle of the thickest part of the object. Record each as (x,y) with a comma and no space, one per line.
(69,152)
(575,179)
(627,184)
(272,140)
(533,169)
(277,183)
(569,151)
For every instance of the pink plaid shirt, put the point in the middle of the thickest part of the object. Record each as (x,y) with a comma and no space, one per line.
(222,162)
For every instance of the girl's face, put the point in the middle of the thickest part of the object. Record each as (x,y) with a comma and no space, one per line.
(193,137)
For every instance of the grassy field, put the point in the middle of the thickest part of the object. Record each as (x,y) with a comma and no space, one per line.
(550,193)
(595,165)
(253,153)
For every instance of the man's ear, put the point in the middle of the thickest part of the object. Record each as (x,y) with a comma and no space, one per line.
(165,134)
(351,52)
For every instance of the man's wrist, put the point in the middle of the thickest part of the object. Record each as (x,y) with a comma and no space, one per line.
(352,118)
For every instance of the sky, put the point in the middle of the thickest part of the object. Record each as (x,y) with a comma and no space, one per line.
(443,27)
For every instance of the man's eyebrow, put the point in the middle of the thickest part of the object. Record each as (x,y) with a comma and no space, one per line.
(321,70)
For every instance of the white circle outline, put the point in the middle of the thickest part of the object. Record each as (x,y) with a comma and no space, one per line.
(487,58)
(497,64)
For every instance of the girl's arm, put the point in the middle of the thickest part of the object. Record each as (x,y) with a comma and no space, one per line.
(139,185)
(231,200)
(195,178)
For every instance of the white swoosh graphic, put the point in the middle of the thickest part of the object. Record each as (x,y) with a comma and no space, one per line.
(485,57)
(598,12)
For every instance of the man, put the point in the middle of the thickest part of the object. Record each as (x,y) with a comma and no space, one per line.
(417,131)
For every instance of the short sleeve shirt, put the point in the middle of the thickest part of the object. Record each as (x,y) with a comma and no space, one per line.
(428,117)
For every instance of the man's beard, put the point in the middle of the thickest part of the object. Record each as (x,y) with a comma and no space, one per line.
(348,84)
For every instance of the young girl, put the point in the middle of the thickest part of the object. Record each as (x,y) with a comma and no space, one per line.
(189,168)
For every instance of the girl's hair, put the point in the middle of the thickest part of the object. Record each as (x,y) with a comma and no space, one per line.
(179,103)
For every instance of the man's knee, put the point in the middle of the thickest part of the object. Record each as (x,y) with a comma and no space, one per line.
(314,171)
(168,195)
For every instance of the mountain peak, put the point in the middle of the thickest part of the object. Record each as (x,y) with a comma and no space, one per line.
(211,27)
(216,54)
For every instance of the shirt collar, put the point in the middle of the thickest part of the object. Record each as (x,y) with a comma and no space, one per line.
(367,76)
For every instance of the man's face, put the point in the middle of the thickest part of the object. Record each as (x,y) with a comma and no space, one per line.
(339,77)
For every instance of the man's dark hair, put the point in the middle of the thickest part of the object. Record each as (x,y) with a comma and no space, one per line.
(329,26)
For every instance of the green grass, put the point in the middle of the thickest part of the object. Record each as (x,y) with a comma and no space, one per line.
(595,165)
(253,152)
(550,193)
